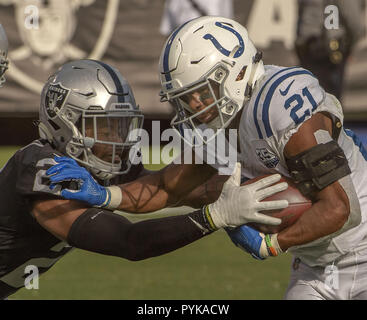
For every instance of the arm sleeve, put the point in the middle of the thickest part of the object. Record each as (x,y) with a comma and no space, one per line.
(112,234)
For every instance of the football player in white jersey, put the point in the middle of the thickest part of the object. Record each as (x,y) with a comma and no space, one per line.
(214,76)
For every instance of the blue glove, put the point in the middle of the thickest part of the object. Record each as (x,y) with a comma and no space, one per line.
(90,191)
(259,245)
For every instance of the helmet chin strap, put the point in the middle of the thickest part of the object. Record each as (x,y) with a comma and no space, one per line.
(257,70)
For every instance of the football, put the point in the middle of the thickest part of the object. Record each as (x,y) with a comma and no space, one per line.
(298,204)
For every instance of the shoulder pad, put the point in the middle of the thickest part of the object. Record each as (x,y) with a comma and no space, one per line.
(287,98)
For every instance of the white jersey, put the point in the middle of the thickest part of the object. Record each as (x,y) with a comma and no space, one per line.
(281,101)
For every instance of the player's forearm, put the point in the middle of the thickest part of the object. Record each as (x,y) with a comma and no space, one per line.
(206,193)
(323,218)
(151,192)
(142,198)
(199,197)
(145,194)
(172,186)
(111,234)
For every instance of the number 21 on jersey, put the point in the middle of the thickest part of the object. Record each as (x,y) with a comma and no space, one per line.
(297,102)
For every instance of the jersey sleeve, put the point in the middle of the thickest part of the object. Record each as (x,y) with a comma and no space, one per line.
(291,100)
(32,164)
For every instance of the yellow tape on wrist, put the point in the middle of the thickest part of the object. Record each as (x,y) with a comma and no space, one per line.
(209,218)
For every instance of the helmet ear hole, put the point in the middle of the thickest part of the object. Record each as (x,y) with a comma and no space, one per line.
(241,74)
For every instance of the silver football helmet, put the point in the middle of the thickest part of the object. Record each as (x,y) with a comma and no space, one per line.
(88,112)
(3,54)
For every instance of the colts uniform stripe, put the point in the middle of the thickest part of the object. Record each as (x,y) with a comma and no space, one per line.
(269,95)
(258,100)
(166,70)
(357,142)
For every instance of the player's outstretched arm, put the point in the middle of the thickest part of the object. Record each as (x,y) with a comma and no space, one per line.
(102,231)
(147,194)
(151,192)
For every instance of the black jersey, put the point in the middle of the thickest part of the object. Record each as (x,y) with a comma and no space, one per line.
(23,242)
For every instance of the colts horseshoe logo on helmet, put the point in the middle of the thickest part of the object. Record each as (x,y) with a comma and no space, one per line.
(224,51)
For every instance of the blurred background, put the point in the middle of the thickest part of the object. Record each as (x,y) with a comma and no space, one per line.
(129,34)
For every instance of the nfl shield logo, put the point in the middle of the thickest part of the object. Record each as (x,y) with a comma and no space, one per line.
(269,159)
(55,98)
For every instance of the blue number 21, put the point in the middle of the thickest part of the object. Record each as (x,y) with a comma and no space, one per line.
(296,97)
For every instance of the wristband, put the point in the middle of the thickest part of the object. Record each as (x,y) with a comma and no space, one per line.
(113,198)
(272,246)
(208,218)
(269,246)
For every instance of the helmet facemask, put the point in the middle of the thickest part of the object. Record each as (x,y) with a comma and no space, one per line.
(203,102)
(88,112)
(103,140)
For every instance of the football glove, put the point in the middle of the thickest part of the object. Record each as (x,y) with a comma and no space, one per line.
(259,245)
(90,191)
(238,205)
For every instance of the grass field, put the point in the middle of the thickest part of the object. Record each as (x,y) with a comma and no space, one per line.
(211,268)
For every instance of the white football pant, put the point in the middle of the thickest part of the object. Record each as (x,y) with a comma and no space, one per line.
(346,279)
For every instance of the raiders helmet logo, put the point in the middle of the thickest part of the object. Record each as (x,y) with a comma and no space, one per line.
(55,98)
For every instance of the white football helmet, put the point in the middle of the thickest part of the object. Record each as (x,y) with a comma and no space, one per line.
(3,54)
(213,54)
(88,104)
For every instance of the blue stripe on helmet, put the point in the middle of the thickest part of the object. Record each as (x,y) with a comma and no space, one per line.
(116,80)
(166,70)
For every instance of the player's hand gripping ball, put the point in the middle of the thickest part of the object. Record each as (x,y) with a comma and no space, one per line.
(298,204)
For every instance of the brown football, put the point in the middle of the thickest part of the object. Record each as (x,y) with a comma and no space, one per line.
(298,204)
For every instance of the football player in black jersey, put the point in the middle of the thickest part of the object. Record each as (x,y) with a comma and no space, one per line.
(88,113)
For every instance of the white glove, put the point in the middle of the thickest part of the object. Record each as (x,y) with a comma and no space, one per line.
(238,205)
